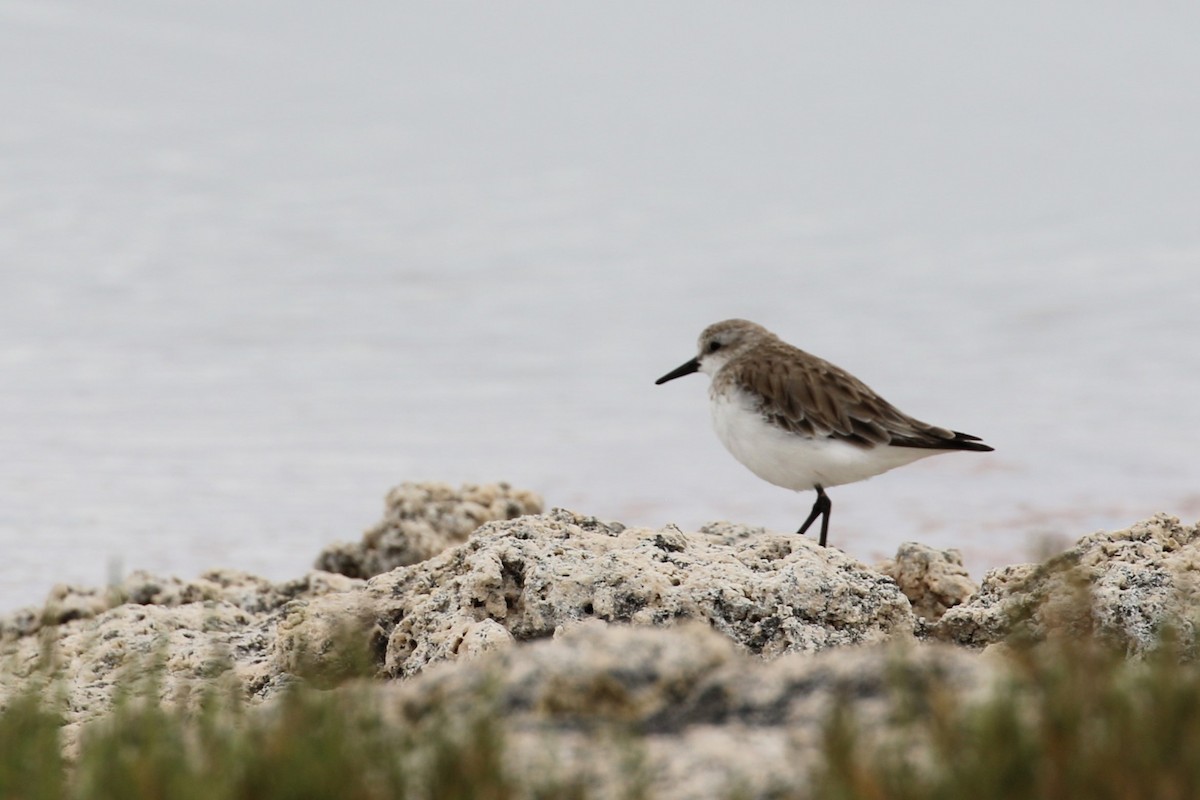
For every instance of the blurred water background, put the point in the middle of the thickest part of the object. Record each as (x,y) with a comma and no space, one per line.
(261,261)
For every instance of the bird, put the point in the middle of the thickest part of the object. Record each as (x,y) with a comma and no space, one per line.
(799,422)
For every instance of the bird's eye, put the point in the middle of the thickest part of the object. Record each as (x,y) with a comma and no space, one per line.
(714,347)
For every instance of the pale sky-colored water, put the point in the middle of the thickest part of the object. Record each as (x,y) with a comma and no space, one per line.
(261,261)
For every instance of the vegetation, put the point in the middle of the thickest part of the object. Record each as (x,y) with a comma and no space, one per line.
(309,744)
(1075,719)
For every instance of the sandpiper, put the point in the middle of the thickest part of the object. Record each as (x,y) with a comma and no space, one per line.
(802,423)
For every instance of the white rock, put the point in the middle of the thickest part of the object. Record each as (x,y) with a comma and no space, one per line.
(1121,584)
(421,520)
(770,594)
(933,580)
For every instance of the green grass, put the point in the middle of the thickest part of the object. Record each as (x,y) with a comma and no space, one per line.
(1076,719)
(31,763)
(307,744)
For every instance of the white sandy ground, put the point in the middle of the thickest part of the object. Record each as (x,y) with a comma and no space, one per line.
(260,263)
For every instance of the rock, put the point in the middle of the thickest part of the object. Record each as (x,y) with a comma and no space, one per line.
(714,717)
(22,622)
(933,580)
(591,670)
(66,603)
(193,643)
(771,594)
(1124,585)
(725,648)
(221,625)
(421,520)
(329,641)
(484,637)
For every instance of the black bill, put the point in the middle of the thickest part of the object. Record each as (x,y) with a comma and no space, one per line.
(680,371)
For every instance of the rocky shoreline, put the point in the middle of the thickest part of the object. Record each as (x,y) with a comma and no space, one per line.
(725,646)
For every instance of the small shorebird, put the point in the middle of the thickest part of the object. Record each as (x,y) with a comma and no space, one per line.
(799,422)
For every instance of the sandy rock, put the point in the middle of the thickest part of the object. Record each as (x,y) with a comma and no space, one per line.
(592,670)
(770,594)
(67,603)
(1136,580)
(933,580)
(421,520)
(221,625)
(329,641)
(193,643)
(22,622)
(715,717)
(725,648)
(483,637)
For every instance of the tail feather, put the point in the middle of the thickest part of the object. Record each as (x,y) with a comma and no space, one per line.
(965,441)
(937,439)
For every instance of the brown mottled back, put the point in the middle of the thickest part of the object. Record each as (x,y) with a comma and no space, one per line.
(807,395)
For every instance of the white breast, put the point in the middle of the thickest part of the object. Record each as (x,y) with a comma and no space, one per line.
(791,460)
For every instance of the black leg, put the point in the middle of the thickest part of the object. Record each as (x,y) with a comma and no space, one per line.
(820,508)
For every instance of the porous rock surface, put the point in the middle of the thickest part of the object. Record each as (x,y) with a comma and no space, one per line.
(522,579)
(67,603)
(724,647)
(715,718)
(421,520)
(933,580)
(1124,585)
(221,624)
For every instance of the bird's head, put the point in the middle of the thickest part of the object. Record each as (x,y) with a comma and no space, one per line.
(719,343)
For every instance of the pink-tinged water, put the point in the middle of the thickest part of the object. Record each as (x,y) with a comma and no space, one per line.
(259,262)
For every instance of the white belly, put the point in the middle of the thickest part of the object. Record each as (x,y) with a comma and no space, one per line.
(793,461)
